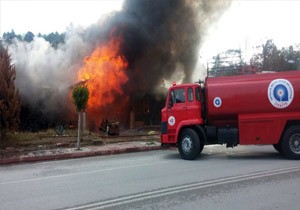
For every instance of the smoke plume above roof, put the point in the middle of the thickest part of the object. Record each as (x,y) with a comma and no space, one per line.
(161,40)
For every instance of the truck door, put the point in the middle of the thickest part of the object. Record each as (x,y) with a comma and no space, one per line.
(193,103)
(177,109)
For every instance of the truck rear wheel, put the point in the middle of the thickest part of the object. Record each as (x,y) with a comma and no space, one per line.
(189,144)
(290,142)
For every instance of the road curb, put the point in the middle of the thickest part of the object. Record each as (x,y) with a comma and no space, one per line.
(79,154)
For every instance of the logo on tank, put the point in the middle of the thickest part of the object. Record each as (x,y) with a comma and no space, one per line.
(217,102)
(280,93)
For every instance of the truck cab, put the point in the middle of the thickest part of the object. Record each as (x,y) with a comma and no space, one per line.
(182,109)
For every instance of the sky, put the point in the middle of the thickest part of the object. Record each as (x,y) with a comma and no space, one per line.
(44,16)
(249,23)
(246,24)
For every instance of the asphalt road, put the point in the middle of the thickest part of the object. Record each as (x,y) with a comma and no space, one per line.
(246,177)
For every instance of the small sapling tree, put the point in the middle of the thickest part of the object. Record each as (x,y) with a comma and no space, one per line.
(80,96)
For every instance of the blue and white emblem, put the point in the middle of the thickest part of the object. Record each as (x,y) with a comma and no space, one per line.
(171,120)
(217,102)
(280,93)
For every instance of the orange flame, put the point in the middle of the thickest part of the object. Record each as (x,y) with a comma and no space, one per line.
(104,75)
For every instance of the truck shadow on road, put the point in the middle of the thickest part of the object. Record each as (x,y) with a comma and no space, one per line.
(249,155)
(257,156)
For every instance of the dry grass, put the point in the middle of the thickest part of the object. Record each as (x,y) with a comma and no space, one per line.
(43,137)
(69,137)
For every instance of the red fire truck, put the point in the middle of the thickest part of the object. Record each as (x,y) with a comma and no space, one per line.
(256,109)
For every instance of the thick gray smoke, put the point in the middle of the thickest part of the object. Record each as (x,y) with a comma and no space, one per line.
(161,40)
(45,74)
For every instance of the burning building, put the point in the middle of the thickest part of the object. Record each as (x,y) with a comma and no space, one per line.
(122,59)
(147,42)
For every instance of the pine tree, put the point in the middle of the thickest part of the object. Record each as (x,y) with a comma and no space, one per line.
(10,104)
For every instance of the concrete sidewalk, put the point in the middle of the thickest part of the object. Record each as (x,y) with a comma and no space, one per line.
(86,151)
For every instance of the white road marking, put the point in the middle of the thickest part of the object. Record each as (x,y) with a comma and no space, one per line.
(115,168)
(86,172)
(183,188)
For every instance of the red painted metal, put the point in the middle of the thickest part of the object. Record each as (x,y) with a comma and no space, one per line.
(246,94)
(237,101)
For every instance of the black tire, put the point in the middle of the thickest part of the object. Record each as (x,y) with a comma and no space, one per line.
(277,148)
(290,142)
(201,147)
(189,144)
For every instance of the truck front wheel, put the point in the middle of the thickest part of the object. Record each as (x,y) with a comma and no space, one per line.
(189,144)
(277,148)
(290,142)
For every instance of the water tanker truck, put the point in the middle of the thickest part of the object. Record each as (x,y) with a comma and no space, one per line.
(257,109)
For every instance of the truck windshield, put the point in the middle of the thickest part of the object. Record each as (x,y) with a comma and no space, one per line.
(177,96)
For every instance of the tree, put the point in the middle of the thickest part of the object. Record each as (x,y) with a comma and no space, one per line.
(270,59)
(10,104)
(291,57)
(273,59)
(55,38)
(226,63)
(80,97)
(28,36)
(8,37)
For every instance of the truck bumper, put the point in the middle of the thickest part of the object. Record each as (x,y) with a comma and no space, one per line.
(164,138)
